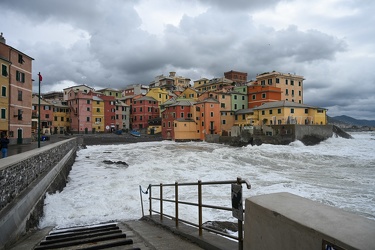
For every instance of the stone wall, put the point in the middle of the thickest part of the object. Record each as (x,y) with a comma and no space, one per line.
(24,180)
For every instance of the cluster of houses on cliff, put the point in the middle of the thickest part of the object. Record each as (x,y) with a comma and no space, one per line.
(173,105)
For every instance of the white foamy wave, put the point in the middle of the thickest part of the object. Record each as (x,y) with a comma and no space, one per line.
(337,172)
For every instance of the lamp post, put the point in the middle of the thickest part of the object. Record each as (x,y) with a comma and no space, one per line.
(40,79)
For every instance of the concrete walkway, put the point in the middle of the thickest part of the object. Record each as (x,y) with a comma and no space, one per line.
(148,234)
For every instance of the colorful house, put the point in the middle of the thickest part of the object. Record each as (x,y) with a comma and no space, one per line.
(291,85)
(144,108)
(20,92)
(285,112)
(80,104)
(61,116)
(175,112)
(259,95)
(46,115)
(111,92)
(207,115)
(97,114)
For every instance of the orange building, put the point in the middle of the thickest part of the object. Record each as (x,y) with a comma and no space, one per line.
(291,85)
(207,115)
(258,95)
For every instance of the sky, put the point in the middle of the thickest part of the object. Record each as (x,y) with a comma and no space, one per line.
(115,43)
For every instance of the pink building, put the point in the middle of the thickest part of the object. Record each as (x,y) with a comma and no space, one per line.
(80,104)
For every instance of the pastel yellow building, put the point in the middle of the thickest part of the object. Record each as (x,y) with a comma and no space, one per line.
(4,96)
(190,93)
(285,112)
(185,129)
(97,114)
(61,116)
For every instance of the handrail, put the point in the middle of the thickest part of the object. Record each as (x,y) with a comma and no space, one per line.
(199,204)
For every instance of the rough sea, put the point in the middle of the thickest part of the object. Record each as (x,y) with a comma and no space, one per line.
(337,172)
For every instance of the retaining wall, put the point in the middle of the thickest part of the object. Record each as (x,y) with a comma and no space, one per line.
(286,221)
(24,180)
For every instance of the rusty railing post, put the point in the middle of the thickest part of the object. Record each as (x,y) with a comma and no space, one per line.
(150,201)
(176,202)
(240,230)
(200,206)
(161,201)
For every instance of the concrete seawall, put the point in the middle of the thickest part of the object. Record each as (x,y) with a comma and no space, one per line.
(287,221)
(25,179)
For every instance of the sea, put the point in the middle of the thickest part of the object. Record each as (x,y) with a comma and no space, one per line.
(337,172)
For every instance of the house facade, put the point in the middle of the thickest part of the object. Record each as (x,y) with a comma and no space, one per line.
(4,96)
(259,95)
(291,85)
(144,109)
(20,93)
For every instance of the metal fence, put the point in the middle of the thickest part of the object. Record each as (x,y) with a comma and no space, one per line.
(198,204)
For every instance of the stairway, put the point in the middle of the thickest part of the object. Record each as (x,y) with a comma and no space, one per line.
(102,236)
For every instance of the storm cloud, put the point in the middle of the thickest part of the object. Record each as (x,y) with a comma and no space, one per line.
(117,43)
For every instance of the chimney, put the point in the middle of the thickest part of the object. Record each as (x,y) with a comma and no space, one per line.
(2,39)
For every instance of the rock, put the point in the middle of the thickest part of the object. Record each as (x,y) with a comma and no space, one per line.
(222,226)
(115,162)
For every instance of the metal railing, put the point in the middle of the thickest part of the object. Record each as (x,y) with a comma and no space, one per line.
(199,204)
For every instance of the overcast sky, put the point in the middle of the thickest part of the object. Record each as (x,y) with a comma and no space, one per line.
(114,43)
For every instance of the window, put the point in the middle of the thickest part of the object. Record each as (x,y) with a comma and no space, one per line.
(279,111)
(20,77)
(87,119)
(88,101)
(292,111)
(20,59)
(47,116)
(223,122)
(299,93)
(3,113)
(3,91)
(292,82)
(287,92)
(277,80)
(263,95)
(235,97)
(263,82)
(140,109)
(62,119)
(88,109)
(169,124)
(263,112)
(235,106)
(299,84)
(55,118)
(98,102)
(19,114)
(212,114)
(286,81)
(182,115)
(222,105)
(306,111)
(98,110)
(4,70)
(269,81)
(292,92)
(236,117)
(254,97)
(243,98)
(270,111)
(19,95)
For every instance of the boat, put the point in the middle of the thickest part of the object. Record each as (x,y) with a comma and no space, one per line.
(135,133)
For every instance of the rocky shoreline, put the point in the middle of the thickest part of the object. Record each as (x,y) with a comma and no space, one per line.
(109,139)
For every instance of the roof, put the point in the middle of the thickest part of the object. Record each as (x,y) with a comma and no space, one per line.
(279,104)
(182,103)
(146,98)
(244,111)
(209,100)
(95,98)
